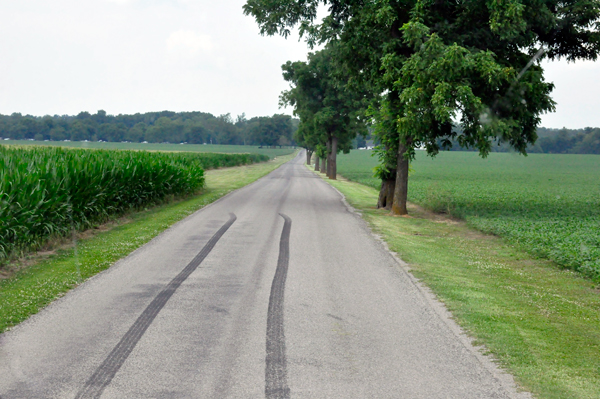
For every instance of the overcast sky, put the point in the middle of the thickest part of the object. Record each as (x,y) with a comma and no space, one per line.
(127,56)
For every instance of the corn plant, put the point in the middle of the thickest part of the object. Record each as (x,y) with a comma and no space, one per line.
(49,192)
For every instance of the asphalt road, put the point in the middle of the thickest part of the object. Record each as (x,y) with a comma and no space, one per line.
(278,290)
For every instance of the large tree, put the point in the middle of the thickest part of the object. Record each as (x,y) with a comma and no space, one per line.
(329,112)
(438,65)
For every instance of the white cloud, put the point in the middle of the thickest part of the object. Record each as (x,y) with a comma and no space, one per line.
(121,2)
(188,44)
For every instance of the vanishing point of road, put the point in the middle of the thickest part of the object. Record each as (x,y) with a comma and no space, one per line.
(278,290)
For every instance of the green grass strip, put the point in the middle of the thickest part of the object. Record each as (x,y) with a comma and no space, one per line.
(541,323)
(34,287)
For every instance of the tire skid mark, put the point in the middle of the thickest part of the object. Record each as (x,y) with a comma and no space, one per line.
(276,386)
(109,368)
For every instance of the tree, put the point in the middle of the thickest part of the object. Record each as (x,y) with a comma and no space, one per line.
(283,141)
(58,133)
(590,143)
(136,133)
(268,130)
(46,125)
(31,127)
(227,132)
(100,117)
(163,130)
(324,104)
(79,131)
(436,65)
(195,133)
(306,139)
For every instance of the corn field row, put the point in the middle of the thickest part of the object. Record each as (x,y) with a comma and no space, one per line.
(50,192)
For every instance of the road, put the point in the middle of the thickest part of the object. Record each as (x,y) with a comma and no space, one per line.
(278,290)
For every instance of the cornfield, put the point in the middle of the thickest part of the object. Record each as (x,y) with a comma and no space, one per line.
(50,192)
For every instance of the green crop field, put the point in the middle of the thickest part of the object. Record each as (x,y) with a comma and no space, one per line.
(547,204)
(50,192)
(228,149)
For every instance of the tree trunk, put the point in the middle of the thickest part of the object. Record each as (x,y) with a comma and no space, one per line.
(308,156)
(401,189)
(324,165)
(316,163)
(388,185)
(333,163)
(327,171)
(386,194)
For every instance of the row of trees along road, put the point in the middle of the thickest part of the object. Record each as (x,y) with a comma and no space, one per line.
(431,65)
(153,127)
(329,112)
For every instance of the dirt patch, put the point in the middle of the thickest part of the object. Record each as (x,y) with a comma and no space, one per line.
(465,231)
(435,217)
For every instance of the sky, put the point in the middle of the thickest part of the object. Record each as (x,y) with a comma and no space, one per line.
(127,56)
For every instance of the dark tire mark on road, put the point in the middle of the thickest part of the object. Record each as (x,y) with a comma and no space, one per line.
(276,365)
(109,368)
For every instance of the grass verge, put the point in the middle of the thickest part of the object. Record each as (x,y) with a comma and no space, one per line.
(35,286)
(540,322)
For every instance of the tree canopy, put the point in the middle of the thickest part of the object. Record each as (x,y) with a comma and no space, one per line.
(329,112)
(436,65)
(153,127)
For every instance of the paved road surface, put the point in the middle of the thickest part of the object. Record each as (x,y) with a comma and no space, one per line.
(276,291)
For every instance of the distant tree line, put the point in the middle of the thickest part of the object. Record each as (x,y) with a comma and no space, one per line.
(568,141)
(153,127)
(551,141)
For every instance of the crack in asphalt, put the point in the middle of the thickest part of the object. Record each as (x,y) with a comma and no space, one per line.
(276,386)
(109,368)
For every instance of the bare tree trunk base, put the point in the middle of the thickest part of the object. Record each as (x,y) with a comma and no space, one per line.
(386,194)
(399,210)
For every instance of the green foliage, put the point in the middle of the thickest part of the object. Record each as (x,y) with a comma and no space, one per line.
(271,131)
(435,66)
(568,141)
(209,148)
(321,98)
(548,204)
(51,192)
(153,127)
(550,141)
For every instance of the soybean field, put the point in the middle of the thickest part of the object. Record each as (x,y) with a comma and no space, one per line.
(547,204)
(48,192)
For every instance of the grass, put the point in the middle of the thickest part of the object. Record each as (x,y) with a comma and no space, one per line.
(541,323)
(214,148)
(30,289)
(546,204)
